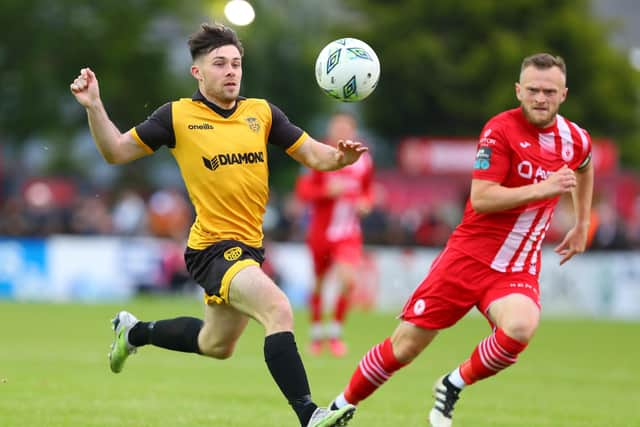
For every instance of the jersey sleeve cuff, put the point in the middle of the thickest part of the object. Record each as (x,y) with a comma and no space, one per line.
(139,140)
(487,177)
(298,143)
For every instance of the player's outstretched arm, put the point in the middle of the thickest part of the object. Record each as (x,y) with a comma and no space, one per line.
(323,157)
(114,146)
(575,241)
(490,196)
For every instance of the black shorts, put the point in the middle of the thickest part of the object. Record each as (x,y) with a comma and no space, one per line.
(214,267)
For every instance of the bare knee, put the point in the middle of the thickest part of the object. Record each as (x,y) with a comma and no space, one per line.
(517,315)
(520,329)
(212,344)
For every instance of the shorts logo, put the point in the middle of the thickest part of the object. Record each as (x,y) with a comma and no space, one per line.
(419,306)
(232,254)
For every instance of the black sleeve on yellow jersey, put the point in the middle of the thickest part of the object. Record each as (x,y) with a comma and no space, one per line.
(157,130)
(283,133)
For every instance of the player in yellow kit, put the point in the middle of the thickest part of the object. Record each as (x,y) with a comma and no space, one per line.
(219,141)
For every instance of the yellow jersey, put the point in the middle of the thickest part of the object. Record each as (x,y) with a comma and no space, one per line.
(222,156)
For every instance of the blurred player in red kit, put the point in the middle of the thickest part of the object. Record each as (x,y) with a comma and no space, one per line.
(338,199)
(526,158)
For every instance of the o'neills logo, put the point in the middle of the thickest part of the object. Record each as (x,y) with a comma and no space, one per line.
(233,159)
(203,126)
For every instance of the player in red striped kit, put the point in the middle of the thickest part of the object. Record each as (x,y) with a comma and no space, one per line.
(337,200)
(526,158)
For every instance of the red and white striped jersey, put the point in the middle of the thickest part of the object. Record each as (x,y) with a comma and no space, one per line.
(337,218)
(513,152)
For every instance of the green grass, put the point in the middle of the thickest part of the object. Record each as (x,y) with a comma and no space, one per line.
(54,372)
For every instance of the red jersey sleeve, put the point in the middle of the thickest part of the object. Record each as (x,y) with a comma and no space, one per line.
(586,145)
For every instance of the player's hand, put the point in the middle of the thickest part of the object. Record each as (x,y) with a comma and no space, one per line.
(349,151)
(85,88)
(559,182)
(574,242)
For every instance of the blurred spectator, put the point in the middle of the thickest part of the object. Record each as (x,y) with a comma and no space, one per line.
(13,220)
(38,207)
(633,225)
(47,202)
(609,231)
(375,225)
(90,215)
(432,230)
(129,214)
(291,219)
(169,214)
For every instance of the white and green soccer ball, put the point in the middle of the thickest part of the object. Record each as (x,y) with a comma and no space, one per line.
(347,69)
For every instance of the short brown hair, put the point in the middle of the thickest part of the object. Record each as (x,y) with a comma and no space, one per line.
(211,37)
(544,61)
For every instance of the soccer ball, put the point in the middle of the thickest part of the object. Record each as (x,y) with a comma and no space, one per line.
(347,69)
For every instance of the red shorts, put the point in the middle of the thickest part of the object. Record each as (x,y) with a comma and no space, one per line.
(457,282)
(325,254)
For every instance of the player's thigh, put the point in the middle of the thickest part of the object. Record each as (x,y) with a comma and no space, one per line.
(254,293)
(346,273)
(347,251)
(222,327)
(347,256)
(512,303)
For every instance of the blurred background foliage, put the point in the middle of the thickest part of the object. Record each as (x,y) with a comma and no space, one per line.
(447,66)
(463,57)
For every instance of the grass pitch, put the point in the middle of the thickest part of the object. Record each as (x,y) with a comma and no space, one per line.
(54,372)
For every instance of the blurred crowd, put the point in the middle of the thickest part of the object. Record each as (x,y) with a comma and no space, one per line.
(51,206)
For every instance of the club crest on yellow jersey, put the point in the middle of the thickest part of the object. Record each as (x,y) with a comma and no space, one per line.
(253,123)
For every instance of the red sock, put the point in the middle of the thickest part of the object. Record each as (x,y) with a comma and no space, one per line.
(342,305)
(374,369)
(494,353)
(315,305)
